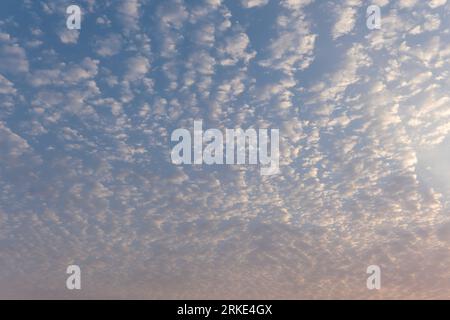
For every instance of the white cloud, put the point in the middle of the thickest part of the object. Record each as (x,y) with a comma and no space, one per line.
(109,45)
(13,59)
(235,49)
(6,86)
(436,3)
(137,68)
(346,18)
(128,13)
(292,48)
(254,3)
(69,36)
(407,3)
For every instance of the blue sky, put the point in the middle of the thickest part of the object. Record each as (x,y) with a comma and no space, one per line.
(85,170)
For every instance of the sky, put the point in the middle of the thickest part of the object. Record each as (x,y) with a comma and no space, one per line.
(86,176)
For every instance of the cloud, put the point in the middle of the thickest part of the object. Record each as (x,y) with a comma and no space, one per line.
(13,146)
(407,3)
(128,13)
(437,3)
(6,86)
(109,45)
(235,49)
(13,58)
(137,68)
(69,36)
(346,18)
(293,46)
(254,3)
